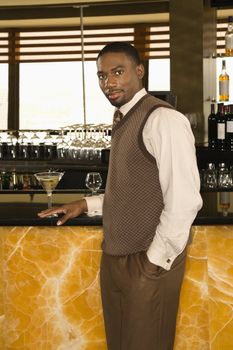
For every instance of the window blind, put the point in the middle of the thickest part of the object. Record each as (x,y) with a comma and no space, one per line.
(65,44)
(4,47)
(222,25)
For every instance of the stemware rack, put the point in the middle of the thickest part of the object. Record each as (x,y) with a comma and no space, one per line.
(79,142)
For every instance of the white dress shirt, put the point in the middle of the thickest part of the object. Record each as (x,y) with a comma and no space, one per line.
(168,137)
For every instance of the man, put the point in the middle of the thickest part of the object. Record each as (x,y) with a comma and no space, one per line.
(150,201)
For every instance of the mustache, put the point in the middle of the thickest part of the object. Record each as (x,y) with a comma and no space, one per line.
(111,91)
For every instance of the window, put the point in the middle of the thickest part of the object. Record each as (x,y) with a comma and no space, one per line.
(50,74)
(51,95)
(99,110)
(159,74)
(3,79)
(3,95)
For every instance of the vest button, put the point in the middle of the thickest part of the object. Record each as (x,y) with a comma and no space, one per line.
(168,260)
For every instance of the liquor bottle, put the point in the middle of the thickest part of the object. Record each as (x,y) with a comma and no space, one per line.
(212,128)
(223,83)
(229,38)
(224,202)
(5,180)
(229,128)
(221,127)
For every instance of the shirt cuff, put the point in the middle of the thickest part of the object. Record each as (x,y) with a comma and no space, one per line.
(159,258)
(161,253)
(94,205)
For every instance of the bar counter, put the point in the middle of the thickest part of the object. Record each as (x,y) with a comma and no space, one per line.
(25,214)
(49,284)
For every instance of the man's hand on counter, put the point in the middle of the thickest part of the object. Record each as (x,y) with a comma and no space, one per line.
(71,210)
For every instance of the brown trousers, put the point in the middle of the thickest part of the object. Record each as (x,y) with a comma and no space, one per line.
(140,301)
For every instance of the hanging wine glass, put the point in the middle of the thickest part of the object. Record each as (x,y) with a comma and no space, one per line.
(76,145)
(35,146)
(89,142)
(62,145)
(101,142)
(107,133)
(23,145)
(11,145)
(48,145)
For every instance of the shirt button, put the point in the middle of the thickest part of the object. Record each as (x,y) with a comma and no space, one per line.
(168,261)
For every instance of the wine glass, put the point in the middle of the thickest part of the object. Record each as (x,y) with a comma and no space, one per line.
(49,181)
(210,177)
(75,149)
(89,142)
(35,146)
(62,145)
(101,141)
(11,144)
(23,145)
(93,181)
(48,145)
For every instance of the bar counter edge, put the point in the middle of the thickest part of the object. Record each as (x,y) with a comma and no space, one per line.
(85,220)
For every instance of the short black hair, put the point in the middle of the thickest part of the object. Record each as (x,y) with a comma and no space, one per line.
(124,47)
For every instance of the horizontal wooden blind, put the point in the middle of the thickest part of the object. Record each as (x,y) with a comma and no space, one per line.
(158,41)
(4,47)
(65,44)
(222,25)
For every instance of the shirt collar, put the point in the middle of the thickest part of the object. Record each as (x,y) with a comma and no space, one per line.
(126,107)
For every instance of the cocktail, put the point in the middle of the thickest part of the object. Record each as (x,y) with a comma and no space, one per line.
(49,181)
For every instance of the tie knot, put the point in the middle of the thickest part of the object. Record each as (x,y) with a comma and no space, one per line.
(117,117)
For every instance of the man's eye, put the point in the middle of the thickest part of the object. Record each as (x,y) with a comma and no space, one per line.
(101,76)
(119,72)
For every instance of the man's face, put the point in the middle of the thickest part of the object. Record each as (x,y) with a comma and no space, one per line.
(119,77)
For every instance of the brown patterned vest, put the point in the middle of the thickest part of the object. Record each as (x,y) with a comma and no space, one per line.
(133,199)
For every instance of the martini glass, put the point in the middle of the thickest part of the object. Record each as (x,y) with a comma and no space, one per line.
(49,181)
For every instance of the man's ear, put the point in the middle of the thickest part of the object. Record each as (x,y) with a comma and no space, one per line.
(140,71)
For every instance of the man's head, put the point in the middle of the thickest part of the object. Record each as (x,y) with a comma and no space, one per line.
(120,72)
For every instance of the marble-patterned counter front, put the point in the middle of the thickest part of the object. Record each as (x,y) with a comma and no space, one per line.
(49,289)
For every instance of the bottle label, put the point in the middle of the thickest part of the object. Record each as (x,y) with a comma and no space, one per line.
(221,131)
(230,126)
(224,88)
(225,197)
(229,42)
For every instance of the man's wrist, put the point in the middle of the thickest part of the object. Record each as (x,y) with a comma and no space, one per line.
(83,203)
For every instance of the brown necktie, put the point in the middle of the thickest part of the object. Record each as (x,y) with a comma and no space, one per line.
(117,117)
